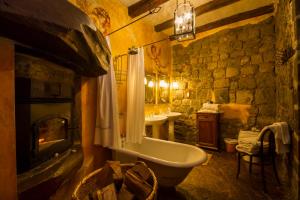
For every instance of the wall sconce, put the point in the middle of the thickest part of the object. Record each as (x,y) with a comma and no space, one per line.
(145,81)
(175,85)
(163,84)
(151,84)
(163,81)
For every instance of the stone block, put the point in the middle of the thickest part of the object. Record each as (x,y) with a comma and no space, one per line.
(232,71)
(265,96)
(245,60)
(267,67)
(179,95)
(186,102)
(268,43)
(212,66)
(233,85)
(269,56)
(232,96)
(233,62)
(267,110)
(194,61)
(221,95)
(183,85)
(200,60)
(222,64)
(204,73)
(265,80)
(224,47)
(254,32)
(263,121)
(224,56)
(237,45)
(205,82)
(249,70)
(267,30)
(237,53)
(207,59)
(219,73)
(253,111)
(256,59)
(215,58)
(196,104)
(244,97)
(243,35)
(204,94)
(195,74)
(251,50)
(251,122)
(247,83)
(221,83)
(176,103)
(251,43)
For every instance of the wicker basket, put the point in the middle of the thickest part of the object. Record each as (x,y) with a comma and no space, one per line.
(90,183)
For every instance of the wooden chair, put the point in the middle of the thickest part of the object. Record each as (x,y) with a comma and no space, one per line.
(264,148)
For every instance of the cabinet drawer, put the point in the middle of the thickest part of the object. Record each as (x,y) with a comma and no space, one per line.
(206,116)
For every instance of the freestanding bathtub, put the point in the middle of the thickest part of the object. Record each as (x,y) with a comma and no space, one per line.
(170,161)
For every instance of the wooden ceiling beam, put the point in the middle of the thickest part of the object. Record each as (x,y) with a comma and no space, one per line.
(234,18)
(208,7)
(143,6)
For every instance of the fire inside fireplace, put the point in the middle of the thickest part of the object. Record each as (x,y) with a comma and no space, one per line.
(50,132)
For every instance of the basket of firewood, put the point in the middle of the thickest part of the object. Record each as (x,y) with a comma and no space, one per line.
(117,181)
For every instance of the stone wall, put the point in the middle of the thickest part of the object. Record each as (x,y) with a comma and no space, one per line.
(235,68)
(286,69)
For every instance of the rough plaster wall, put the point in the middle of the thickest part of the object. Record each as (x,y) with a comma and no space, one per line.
(137,34)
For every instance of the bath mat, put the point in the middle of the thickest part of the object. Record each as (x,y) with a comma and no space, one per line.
(208,159)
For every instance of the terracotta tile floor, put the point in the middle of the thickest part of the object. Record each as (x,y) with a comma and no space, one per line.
(217,181)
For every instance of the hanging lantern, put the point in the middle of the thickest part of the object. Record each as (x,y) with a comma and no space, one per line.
(184,21)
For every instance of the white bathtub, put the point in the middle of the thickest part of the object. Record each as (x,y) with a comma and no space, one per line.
(170,161)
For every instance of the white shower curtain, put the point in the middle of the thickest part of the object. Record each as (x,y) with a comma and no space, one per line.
(107,131)
(135,120)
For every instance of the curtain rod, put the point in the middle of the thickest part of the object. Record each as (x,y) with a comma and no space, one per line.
(168,38)
(153,11)
(156,42)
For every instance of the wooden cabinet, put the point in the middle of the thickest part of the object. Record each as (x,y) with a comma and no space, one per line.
(208,127)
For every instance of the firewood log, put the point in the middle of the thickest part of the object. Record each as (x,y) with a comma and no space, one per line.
(125,194)
(137,185)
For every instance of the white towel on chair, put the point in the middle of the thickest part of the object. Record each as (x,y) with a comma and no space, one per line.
(248,141)
(282,137)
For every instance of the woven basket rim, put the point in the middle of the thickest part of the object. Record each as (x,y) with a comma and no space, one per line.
(90,175)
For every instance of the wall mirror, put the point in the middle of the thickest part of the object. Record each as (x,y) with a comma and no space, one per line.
(163,89)
(150,85)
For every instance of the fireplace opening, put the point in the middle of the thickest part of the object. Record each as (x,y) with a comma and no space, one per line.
(47,119)
(51,136)
(50,131)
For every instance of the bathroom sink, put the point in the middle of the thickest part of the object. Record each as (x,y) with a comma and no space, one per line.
(155,120)
(173,115)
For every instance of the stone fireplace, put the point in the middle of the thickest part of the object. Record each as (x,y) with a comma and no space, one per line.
(47,117)
(48,125)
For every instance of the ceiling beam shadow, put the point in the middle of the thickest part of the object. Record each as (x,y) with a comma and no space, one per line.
(143,6)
